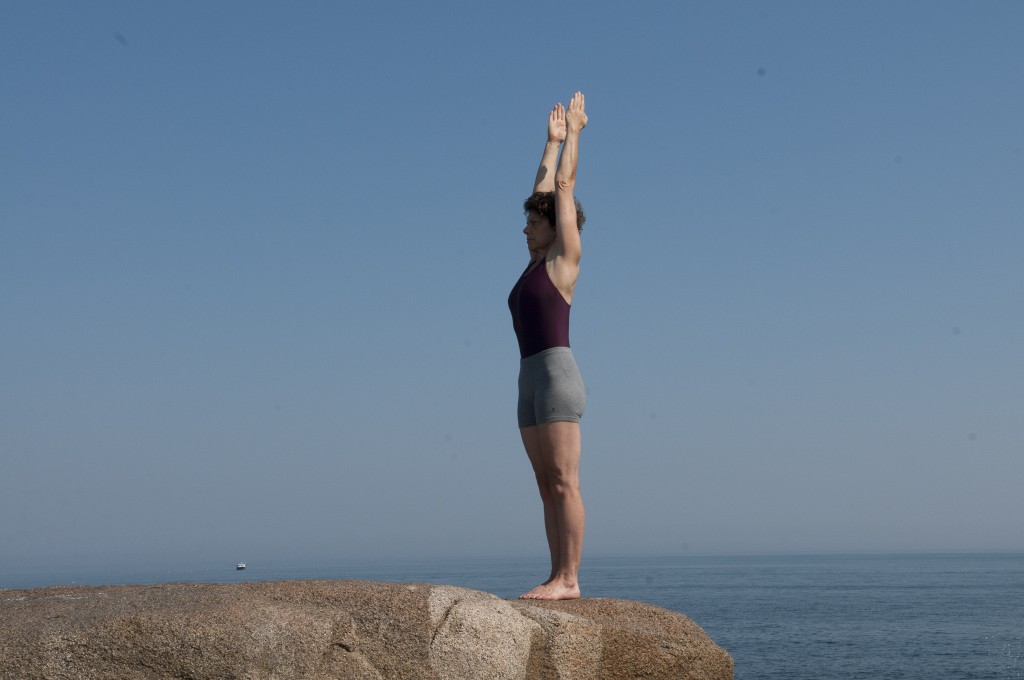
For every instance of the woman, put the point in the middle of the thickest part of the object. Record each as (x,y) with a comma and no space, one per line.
(551,392)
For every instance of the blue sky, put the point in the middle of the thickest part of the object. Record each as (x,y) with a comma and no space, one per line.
(254,260)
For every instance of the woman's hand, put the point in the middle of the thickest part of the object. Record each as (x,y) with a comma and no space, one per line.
(556,124)
(575,117)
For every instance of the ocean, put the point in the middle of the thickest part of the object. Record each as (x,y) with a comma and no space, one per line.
(813,617)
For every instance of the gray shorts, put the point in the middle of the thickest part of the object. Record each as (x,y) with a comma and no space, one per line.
(550,388)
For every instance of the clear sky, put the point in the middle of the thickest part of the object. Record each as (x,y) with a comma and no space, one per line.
(254,260)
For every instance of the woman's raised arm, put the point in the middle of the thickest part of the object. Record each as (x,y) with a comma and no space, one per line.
(565,182)
(556,135)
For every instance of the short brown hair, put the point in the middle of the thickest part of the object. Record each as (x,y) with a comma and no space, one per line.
(543,203)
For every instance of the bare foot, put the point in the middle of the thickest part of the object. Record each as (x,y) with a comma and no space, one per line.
(553,590)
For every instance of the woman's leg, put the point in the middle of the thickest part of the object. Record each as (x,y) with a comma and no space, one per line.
(531,442)
(555,456)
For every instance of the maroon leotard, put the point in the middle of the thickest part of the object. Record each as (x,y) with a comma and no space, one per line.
(540,315)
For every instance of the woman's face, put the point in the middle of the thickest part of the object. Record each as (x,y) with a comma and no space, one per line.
(540,234)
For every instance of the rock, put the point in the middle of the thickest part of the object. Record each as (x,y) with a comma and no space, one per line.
(313,630)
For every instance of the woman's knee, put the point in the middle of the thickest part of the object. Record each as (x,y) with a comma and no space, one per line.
(561,483)
(544,485)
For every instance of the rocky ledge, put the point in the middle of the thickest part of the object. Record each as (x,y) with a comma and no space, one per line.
(341,629)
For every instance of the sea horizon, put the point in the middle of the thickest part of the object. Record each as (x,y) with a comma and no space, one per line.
(47,571)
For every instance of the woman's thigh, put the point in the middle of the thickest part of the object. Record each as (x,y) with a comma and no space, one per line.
(553,448)
(532,444)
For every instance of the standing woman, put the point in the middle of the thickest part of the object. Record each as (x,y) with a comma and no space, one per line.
(551,392)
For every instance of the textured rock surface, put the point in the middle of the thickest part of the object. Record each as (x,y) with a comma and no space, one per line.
(341,629)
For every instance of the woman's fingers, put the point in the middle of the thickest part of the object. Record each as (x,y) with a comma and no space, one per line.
(576,110)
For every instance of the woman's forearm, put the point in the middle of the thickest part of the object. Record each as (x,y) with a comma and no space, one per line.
(565,178)
(556,133)
(545,173)
(575,121)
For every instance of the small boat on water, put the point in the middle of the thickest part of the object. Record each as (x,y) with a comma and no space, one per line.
(240,566)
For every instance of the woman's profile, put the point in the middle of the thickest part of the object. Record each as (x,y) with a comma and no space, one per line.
(551,391)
